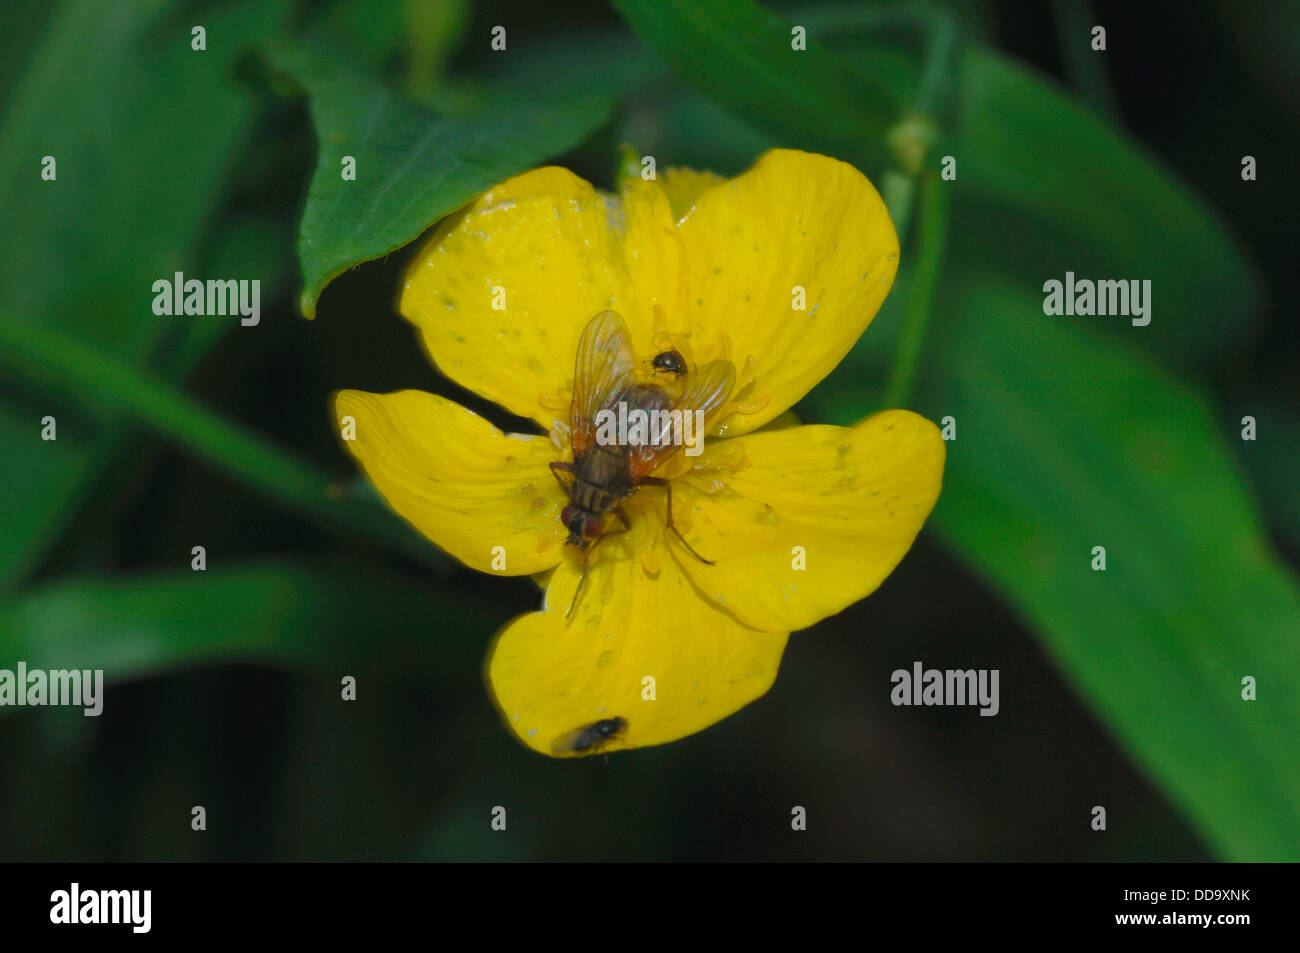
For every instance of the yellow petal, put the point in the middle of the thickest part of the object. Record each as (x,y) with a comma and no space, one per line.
(639,629)
(484,496)
(795,220)
(502,291)
(685,186)
(845,503)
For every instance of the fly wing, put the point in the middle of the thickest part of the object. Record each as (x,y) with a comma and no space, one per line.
(564,744)
(604,370)
(707,389)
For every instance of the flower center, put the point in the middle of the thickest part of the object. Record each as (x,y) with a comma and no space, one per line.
(668,371)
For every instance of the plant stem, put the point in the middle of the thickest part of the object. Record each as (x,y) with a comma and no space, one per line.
(933,215)
(898,189)
(51,359)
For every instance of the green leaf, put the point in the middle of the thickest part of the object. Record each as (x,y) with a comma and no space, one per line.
(1044,185)
(412,168)
(1088,199)
(434,30)
(1066,441)
(574,64)
(1273,457)
(118,217)
(248,244)
(334,618)
(63,366)
(372,32)
(110,90)
(683,128)
(740,55)
(50,472)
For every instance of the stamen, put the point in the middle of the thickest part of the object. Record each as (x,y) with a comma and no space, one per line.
(561,434)
(556,401)
(746,376)
(651,561)
(752,406)
(708,475)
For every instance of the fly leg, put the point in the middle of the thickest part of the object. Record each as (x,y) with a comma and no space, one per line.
(558,467)
(668,488)
(582,582)
(586,565)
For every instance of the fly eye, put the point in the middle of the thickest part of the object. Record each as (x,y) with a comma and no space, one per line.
(593,527)
(566,515)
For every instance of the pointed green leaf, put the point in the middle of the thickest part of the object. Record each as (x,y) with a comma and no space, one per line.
(411,167)
(142,129)
(745,57)
(1067,441)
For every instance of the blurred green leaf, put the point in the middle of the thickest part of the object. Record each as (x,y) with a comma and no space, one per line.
(51,473)
(1273,457)
(248,244)
(63,366)
(555,67)
(434,28)
(24,25)
(1065,441)
(740,54)
(373,32)
(335,618)
(1088,73)
(412,168)
(115,219)
(1095,203)
(1045,185)
(684,128)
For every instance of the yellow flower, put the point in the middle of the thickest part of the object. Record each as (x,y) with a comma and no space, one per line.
(798,521)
